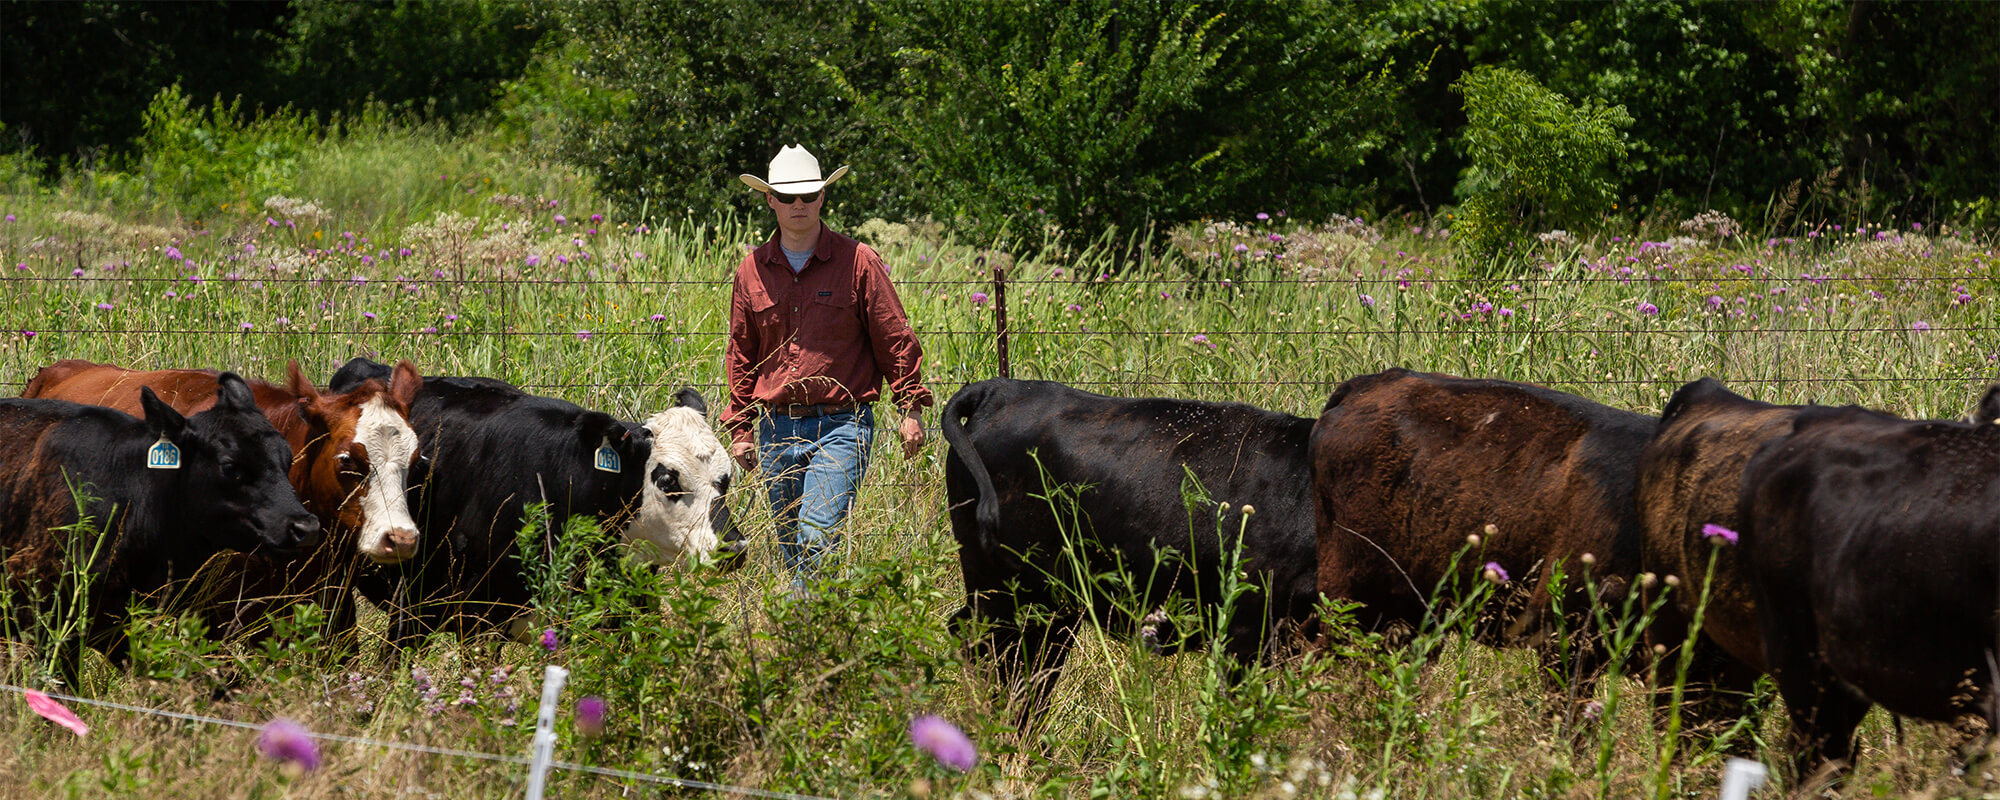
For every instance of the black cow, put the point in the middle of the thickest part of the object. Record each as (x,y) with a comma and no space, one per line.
(1125,462)
(492,449)
(1408,465)
(1873,549)
(216,482)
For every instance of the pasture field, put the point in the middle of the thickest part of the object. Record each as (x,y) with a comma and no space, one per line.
(499,270)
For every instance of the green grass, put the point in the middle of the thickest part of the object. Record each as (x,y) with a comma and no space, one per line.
(728,683)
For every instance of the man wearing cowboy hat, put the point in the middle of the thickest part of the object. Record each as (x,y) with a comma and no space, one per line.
(814,329)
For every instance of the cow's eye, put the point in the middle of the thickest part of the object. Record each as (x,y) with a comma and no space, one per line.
(229,470)
(667,481)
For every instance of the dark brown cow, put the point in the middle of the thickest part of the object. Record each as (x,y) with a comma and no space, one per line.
(1407,465)
(1874,557)
(1691,477)
(351,454)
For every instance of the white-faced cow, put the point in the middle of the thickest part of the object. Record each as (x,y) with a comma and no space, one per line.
(492,449)
(1408,465)
(169,492)
(1129,467)
(1874,558)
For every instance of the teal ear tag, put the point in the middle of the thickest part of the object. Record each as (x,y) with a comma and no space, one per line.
(163,455)
(607,458)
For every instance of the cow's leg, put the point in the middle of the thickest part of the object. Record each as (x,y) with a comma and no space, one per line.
(1027,650)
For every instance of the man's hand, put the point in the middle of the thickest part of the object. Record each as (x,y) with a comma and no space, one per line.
(745,454)
(913,434)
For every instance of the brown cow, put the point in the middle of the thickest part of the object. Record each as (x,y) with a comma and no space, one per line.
(351,453)
(1691,477)
(1407,465)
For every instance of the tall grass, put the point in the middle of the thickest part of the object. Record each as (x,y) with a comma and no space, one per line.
(396,243)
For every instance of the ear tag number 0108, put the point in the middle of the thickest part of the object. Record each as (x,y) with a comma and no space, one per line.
(606,459)
(163,455)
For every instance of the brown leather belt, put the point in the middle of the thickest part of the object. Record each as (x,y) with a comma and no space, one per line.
(814,409)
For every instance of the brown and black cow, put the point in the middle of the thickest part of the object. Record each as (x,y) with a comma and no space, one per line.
(1874,559)
(167,492)
(1408,465)
(1691,478)
(1044,480)
(352,452)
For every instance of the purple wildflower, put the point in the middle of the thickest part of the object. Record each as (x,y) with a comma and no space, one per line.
(1072,307)
(1920,325)
(174,253)
(289,742)
(944,742)
(979,298)
(534,259)
(104,306)
(1202,339)
(246,327)
(1261,216)
(27,334)
(1648,309)
(658,318)
(1367,302)
(583,336)
(1505,311)
(283,321)
(1718,534)
(596,218)
(590,716)
(368,315)
(561,220)
(549,640)
(1242,248)
(1495,573)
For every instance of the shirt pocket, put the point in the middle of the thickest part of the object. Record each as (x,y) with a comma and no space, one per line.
(831,322)
(765,314)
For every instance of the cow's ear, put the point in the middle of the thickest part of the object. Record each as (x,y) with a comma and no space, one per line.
(689,398)
(595,426)
(1988,411)
(404,383)
(295,380)
(232,394)
(160,417)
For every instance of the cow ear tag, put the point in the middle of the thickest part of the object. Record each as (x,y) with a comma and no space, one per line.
(163,455)
(607,458)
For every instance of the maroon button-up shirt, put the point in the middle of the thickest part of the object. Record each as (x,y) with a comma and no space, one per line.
(828,334)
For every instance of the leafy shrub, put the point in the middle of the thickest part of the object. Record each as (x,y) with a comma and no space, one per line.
(208,160)
(1537,161)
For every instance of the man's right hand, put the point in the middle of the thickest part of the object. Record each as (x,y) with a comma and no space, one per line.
(745,454)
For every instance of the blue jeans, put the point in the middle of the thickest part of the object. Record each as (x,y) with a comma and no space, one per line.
(814,465)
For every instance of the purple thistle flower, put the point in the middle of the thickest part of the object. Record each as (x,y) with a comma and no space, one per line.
(549,640)
(1505,311)
(1495,573)
(979,298)
(1242,248)
(1261,216)
(658,318)
(104,306)
(289,742)
(590,716)
(533,259)
(246,327)
(173,252)
(170,295)
(1367,301)
(1718,534)
(27,334)
(1202,339)
(10,217)
(1920,325)
(283,321)
(1648,309)
(560,220)
(583,336)
(368,315)
(944,742)
(451,317)
(1072,307)
(596,218)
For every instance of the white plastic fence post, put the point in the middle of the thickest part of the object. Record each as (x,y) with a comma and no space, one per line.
(544,748)
(1740,777)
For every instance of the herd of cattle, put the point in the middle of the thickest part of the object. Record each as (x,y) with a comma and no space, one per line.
(1868,570)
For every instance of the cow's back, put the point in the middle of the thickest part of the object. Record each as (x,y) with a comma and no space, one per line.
(1407,465)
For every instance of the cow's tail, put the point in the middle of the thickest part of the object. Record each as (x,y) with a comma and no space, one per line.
(963,405)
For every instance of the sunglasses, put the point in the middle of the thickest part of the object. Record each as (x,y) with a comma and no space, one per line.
(788,199)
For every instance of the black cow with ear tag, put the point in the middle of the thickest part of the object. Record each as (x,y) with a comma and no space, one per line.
(489,450)
(166,492)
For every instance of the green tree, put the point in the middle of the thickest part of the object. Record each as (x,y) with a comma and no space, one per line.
(1536,159)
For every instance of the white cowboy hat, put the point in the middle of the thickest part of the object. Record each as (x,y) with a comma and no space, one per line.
(793,171)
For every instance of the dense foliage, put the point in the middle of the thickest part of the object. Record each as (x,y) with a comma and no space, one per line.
(1025,118)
